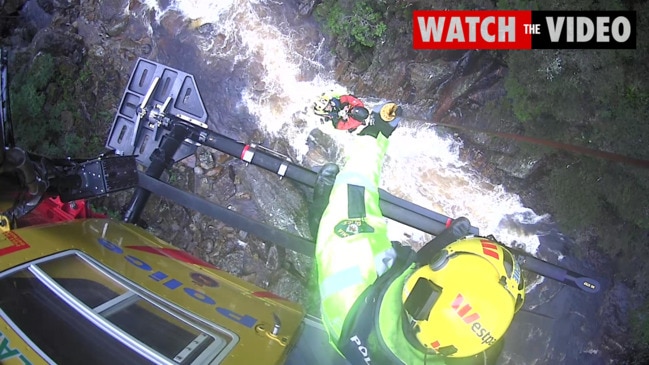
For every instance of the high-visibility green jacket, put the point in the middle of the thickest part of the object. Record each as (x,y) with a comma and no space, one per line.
(355,259)
(353,250)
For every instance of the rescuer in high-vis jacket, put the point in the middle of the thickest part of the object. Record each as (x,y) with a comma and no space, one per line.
(381,302)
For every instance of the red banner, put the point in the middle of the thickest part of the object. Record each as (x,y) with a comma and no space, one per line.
(523,29)
(458,29)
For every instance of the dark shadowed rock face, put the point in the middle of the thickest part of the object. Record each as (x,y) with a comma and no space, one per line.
(306,7)
(11,7)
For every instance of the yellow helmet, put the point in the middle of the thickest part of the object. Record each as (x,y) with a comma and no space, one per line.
(465,299)
(389,112)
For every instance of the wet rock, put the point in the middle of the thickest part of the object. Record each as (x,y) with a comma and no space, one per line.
(321,149)
(217,186)
(232,263)
(97,51)
(205,159)
(146,49)
(110,10)
(212,172)
(615,310)
(504,162)
(11,6)
(273,260)
(279,203)
(46,5)
(208,246)
(426,77)
(515,166)
(232,174)
(289,286)
(50,6)
(117,28)
(191,245)
(173,22)
(206,29)
(189,161)
(59,43)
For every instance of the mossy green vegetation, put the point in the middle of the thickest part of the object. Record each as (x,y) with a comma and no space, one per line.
(49,112)
(357,25)
(596,99)
(640,334)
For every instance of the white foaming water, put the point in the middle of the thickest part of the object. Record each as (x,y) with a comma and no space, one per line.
(248,34)
(421,166)
(425,168)
(207,11)
(280,57)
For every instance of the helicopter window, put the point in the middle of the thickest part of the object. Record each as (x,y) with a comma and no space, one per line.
(61,334)
(177,335)
(84,281)
(74,311)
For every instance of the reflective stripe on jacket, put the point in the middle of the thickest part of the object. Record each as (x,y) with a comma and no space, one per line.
(352,248)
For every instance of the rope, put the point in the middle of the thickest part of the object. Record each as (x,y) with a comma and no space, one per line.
(557,145)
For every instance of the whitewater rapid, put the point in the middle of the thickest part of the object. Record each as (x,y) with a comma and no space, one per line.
(289,72)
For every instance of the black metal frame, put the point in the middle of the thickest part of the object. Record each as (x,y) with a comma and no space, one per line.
(6,127)
(174,133)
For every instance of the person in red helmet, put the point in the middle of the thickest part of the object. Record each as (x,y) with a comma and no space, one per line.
(346,112)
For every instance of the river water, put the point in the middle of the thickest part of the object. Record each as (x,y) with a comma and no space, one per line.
(259,66)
